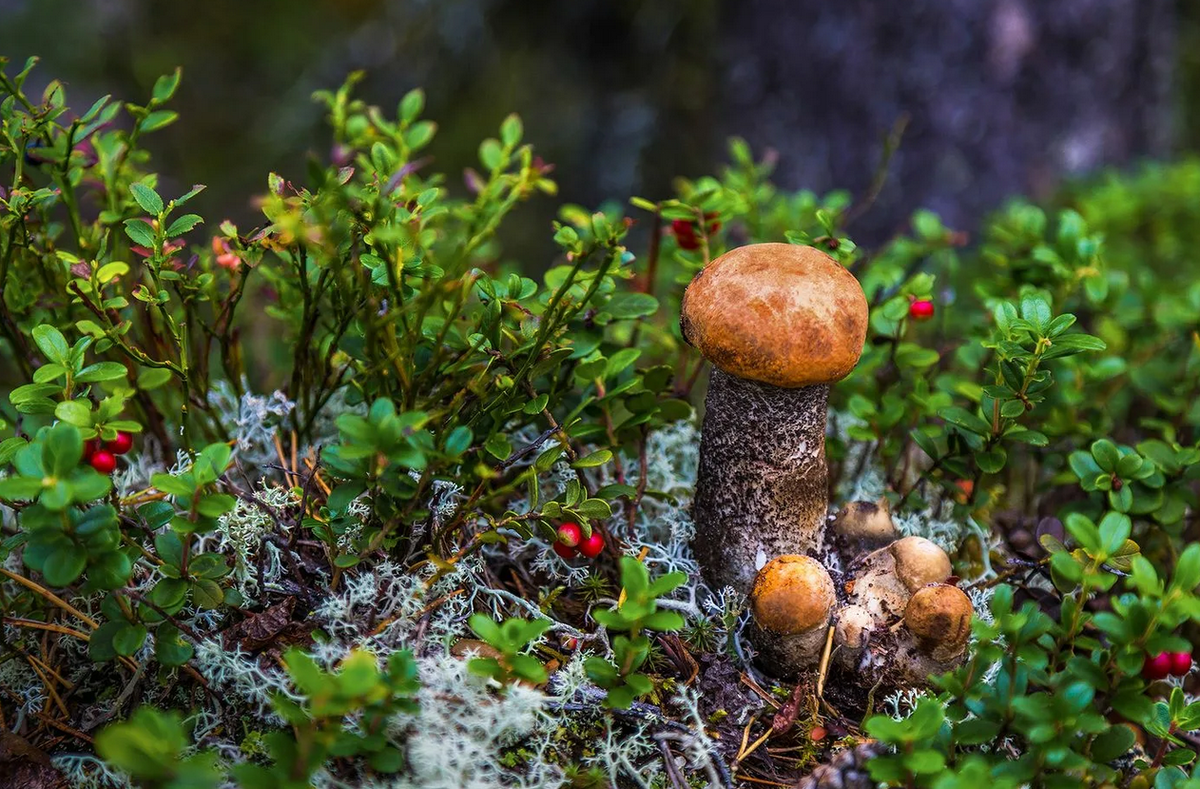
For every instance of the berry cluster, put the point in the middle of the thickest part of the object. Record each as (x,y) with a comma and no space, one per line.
(1164,664)
(686,235)
(571,542)
(102,456)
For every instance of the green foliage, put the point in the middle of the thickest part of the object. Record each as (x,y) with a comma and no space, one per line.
(510,638)
(150,747)
(636,612)
(318,732)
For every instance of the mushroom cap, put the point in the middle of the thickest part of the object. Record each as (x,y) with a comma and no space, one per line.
(854,623)
(940,617)
(792,594)
(781,314)
(865,520)
(920,562)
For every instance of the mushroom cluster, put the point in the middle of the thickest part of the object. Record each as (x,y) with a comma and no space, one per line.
(780,323)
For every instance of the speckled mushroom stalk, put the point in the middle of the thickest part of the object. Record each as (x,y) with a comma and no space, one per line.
(779,322)
(763,485)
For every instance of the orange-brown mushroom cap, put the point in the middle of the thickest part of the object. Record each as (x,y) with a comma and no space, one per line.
(940,617)
(920,562)
(792,594)
(782,314)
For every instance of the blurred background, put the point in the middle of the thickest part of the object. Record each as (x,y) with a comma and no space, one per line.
(999,97)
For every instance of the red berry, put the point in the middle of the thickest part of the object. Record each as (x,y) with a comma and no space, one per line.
(571,643)
(685,234)
(569,534)
(90,448)
(1181,663)
(103,461)
(591,545)
(565,551)
(921,310)
(1157,667)
(121,444)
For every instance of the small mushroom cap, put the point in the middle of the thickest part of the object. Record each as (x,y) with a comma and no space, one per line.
(782,314)
(792,594)
(854,624)
(920,562)
(940,617)
(865,520)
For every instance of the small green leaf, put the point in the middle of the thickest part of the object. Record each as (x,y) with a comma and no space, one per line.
(64,566)
(147,198)
(595,509)
(183,224)
(598,458)
(498,447)
(139,232)
(52,344)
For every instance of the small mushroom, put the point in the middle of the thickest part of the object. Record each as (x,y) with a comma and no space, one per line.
(852,633)
(888,577)
(939,617)
(864,524)
(791,601)
(779,322)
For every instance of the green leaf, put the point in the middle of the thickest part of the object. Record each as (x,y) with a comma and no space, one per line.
(620,360)
(147,198)
(157,120)
(74,412)
(48,372)
(183,224)
(962,418)
(52,344)
(625,306)
(214,505)
(165,86)
(139,232)
(207,593)
(1106,455)
(101,371)
(511,130)
(173,486)
(129,639)
(1187,569)
(62,450)
(992,461)
(537,404)
(486,629)
(169,646)
(411,105)
(100,645)
(1114,530)
(20,488)
(64,566)
(595,509)
(153,377)
(598,458)
(498,447)
(458,441)
(491,154)
(169,547)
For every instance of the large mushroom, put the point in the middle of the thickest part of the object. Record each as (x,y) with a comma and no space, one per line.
(779,322)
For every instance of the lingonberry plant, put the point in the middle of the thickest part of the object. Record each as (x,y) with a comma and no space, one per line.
(454,547)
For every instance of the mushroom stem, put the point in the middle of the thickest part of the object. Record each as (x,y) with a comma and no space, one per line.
(762,486)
